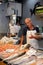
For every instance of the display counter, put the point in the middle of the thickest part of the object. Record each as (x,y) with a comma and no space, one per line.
(23,57)
(11,54)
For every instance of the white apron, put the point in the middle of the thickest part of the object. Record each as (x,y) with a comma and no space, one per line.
(33,42)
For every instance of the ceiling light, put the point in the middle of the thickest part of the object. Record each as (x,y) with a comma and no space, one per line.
(0,2)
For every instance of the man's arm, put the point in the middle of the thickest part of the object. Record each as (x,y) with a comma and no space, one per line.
(21,40)
(23,34)
(36,36)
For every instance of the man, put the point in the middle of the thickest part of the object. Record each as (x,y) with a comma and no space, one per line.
(29,27)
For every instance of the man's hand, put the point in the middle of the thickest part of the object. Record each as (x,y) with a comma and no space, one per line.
(35,36)
(32,36)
